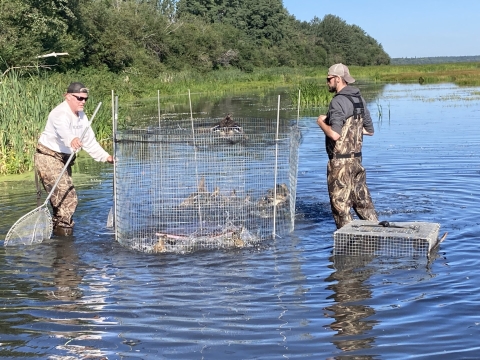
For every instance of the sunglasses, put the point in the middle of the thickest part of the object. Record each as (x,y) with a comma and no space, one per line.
(80,98)
(330,78)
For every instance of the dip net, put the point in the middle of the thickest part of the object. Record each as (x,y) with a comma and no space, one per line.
(32,228)
(188,185)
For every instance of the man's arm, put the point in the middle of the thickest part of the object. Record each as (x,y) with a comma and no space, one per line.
(367,121)
(327,129)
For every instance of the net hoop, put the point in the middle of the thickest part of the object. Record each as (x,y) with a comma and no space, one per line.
(32,228)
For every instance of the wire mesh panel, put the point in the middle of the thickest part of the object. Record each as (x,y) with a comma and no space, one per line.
(180,188)
(361,237)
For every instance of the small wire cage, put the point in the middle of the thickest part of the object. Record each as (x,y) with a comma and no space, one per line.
(181,187)
(362,237)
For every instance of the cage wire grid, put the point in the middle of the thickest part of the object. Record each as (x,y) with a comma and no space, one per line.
(180,188)
(401,239)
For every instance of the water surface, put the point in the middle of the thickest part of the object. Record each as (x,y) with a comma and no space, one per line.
(88,297)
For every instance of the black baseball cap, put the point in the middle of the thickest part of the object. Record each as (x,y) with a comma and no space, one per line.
(77,87)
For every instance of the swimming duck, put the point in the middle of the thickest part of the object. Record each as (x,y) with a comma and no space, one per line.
(227,126)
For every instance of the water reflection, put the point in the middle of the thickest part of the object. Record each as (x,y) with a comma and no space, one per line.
(48,271)
(51,277)
(355,280)
(350,313)
(65,269)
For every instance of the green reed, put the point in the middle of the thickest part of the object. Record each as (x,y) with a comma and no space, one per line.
(23,105)
(313,94)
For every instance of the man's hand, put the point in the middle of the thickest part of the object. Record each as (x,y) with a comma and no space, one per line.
(76,144)
(327,129)
(110,159)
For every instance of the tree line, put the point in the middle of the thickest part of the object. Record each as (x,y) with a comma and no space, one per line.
(151,36)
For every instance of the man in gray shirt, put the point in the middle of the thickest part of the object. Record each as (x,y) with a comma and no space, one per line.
(347,120)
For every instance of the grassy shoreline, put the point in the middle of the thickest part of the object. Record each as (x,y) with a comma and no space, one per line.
(461,74)
(26,100)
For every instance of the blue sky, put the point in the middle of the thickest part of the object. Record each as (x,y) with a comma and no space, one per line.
(406,28)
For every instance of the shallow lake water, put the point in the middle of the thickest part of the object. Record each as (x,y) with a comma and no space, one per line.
(89,298)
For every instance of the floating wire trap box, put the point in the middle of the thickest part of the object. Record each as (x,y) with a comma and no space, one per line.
(361,237)
(181,187)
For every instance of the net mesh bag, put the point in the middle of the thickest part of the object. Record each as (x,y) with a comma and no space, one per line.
(30,229)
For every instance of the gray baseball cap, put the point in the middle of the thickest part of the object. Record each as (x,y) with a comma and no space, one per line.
(76,87)
(342,71)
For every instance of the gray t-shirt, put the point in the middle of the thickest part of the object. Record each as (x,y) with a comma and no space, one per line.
(340,109)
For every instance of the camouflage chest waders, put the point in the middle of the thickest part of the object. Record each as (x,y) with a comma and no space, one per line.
(346,177)
(49,164)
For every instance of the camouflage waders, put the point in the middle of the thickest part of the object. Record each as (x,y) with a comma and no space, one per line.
(49,164)
(346,177)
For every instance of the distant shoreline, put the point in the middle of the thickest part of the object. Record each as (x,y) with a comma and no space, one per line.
(434,60)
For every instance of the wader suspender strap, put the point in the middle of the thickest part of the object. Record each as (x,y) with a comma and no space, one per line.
(358,112)
(39,189)
(358,109)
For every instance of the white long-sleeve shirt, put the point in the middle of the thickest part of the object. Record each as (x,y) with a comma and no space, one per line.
(63,125)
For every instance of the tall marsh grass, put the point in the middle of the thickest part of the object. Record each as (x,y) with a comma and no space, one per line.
(23,105)
(313,94)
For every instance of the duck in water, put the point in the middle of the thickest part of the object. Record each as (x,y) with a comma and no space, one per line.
(278,198)
(227,126)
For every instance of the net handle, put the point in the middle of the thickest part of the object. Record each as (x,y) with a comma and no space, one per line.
(72,154)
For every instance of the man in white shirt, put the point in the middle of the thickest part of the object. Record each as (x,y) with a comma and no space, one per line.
(61,137)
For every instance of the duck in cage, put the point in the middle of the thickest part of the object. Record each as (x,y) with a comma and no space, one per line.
(227,126)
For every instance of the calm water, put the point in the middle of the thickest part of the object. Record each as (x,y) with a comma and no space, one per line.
(89,298)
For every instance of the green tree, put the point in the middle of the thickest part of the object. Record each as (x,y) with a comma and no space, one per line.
(348,43)
(30,28)
(209,10)
(128,35)
(263,21)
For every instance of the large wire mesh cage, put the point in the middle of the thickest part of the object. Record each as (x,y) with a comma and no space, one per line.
(192,184)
